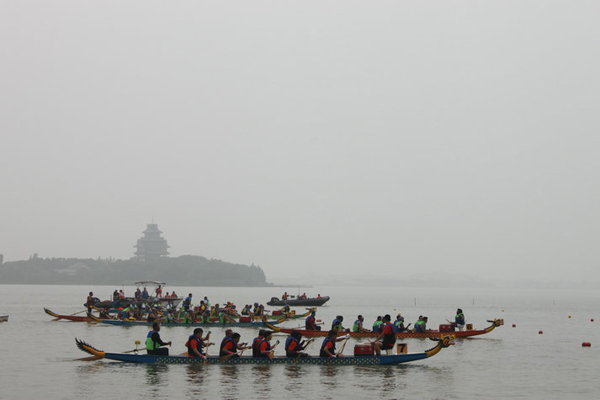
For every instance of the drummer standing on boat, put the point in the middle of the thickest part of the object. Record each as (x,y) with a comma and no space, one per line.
(89,303)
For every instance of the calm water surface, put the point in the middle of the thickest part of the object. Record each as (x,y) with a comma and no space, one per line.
(38,355)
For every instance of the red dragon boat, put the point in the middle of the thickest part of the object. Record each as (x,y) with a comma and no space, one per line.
(432,333)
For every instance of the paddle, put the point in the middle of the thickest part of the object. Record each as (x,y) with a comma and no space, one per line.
(304,348)
(272,352)
(343,346)
(228,356)
(77,313)
(137,343)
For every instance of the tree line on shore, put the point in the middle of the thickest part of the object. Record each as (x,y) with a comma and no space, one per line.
(182,271)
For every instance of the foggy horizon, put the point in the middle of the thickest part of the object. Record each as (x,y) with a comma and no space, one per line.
(315,139)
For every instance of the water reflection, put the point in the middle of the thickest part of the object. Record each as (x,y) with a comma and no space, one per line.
(155,373)
(295,378)
(262,374)
(230,385)
(195,374)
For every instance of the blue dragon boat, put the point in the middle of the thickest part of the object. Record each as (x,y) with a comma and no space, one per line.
(346,360)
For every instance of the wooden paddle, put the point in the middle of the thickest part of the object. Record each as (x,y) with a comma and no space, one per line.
(137,343)
(343,346)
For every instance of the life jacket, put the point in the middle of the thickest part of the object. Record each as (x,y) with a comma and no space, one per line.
(399,325)
(377,326)
(331,350)
(389,338)
(260,354)
(357,325)
(187,302)
(151,344)
(289,341)
(255,345)
(226,340)
(310,322)
(459,319)
(419,326)
(199,345)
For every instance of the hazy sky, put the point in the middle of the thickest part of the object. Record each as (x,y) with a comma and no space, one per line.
(312,138)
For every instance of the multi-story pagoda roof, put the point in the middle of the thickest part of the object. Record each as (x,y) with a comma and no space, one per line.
(151,246)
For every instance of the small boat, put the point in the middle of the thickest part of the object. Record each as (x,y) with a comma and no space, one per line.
(346,360)
(191,324)
(458,334)
(77,318)
(299,302)
(3,318)
(154,299)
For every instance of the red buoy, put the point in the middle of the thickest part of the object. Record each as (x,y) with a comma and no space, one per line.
(514,325)
(592,320)
(586,344)
(540,332)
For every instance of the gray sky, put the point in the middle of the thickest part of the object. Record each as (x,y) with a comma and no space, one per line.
(312,138)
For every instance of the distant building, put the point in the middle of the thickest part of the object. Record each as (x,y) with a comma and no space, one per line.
(151,246)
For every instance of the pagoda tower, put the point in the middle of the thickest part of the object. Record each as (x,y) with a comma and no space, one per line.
(151,246)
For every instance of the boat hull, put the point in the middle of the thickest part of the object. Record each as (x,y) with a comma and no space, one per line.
(3,318)
(365,360)
(76,318)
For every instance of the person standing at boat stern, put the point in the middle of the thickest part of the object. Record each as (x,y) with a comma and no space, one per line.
(89,303)
(459,319)
(154,342)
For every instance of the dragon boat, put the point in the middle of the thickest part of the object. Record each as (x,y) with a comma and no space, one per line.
(76,318)
(345,360)
(429,334)
(189,324)
(290,315)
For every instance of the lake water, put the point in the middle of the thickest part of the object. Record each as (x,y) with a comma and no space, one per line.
(37,354)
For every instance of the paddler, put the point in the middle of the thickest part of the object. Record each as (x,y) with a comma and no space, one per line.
(328,346)
(196,343)
(421,324)
(256,342)
(377,325)
(310,322)
(358,325)
(264,347)
(294,346)
(388,336)
(399,324)
(336,325)
(154,342)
